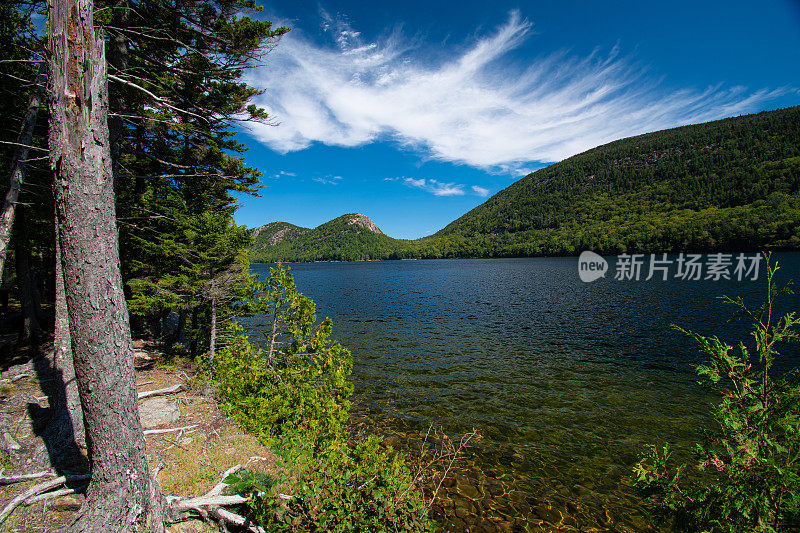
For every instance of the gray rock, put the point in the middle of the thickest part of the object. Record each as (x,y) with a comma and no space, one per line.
(11,443)
(157,412)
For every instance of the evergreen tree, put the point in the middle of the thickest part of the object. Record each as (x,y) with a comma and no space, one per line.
(176,69)
(120,496)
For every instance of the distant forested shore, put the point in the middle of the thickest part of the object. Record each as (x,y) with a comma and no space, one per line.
(727,185)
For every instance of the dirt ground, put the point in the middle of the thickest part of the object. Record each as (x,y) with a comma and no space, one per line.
(191,459)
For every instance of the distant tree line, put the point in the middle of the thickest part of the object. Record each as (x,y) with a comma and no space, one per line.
(727,185)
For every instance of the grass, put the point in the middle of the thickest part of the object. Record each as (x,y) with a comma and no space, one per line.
(5,460)
(193,468)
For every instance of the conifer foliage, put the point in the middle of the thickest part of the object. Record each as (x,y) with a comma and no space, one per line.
(175,69)
(747,476)
(176,93)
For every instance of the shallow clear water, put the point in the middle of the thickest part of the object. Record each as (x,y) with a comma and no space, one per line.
(566,381)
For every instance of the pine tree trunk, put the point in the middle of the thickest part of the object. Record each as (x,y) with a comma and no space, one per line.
(164,328)
(18,165)
(180,334)
(212,344)
(64,434)
(120,496)
(212,341)
(193,333)
(70,402)
(118,63)
(30,330)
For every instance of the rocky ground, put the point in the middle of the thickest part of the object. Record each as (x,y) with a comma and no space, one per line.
(201,445)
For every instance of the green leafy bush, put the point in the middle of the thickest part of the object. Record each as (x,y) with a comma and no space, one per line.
(342,488)
(294,394)
(747,475)
(273,400)
(297,388)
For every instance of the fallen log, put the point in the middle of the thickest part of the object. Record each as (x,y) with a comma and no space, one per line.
(219,487)
(209,501)
(49,496)
(168,430)
(236,520)
(8,480)
(35,491)
(160,392)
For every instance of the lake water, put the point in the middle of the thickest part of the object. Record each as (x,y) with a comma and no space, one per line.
(567,381)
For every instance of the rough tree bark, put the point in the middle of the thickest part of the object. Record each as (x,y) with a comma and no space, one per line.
(212,342)
(18,165)
(118,61)
(30,330)
(63,435)
(120,496)
(67,423)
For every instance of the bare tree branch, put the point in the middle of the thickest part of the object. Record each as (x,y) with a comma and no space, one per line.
(155,97)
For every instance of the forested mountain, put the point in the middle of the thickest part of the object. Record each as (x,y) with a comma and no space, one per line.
(275,232)
(350,237)
(731,184)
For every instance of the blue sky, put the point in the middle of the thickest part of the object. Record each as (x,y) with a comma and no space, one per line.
(415,112)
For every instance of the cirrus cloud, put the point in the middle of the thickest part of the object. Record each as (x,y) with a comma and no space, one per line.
(474,107)
(483,192)
(328,180)
(437,188)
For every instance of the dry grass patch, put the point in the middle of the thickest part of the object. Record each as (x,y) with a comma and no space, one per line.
(195,466)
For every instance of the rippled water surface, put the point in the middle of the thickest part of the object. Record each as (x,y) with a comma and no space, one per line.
(566,381)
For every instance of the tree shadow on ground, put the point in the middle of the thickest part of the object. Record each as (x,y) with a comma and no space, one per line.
(53,423)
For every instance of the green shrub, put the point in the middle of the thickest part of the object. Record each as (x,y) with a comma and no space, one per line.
(294,394)
(5,460)
(343,489)
(747,475)
(299,387)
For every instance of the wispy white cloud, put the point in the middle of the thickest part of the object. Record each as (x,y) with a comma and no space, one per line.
(434,187)
(283,173)
(328,180)
(480,191)
(438,188)
(475,107)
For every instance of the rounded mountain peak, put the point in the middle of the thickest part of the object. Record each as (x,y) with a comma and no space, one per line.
(356,219)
